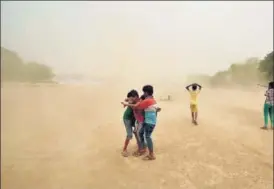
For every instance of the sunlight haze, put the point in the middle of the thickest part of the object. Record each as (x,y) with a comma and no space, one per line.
(104,38)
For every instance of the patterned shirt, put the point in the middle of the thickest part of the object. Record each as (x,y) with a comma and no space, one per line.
(269,97)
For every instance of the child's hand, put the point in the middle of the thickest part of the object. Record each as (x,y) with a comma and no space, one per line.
(123,104)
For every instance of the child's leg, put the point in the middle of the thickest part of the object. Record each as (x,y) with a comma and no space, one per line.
(136,134)
(141,136)
(195,112)
(195,117)
(266,111)
(271,114)
(142,143)
(148,131)
(192,113)
(128,126)
(142,149)
(137,139)
(195,109)
(142,133)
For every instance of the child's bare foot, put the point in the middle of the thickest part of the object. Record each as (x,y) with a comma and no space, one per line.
(125,153)
(139,153)
(195,123)
(149,157)
(264,128)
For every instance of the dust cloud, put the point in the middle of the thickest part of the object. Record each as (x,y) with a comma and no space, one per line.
(63,136)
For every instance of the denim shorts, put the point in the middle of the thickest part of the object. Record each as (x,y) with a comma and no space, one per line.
(128,125)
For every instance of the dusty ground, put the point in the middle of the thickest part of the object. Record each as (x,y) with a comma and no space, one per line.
(70,137)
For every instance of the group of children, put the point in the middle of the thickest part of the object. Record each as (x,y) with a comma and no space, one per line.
(140,118)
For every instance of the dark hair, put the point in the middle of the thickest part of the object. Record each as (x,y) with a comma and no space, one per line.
(271,85)
(194,87)
(148,89)
(143,97)
(132,93)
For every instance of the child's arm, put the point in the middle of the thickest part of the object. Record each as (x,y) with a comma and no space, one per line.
(139,105)
(158,109)
(130,105)
(266,93)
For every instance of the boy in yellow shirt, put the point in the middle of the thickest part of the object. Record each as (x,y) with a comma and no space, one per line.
(194,91)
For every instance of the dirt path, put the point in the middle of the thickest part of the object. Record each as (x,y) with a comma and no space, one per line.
(68,137)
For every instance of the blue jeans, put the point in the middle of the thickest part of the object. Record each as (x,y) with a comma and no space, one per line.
(146,132)
(128,125)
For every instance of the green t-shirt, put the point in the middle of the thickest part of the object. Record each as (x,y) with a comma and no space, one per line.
(128,114)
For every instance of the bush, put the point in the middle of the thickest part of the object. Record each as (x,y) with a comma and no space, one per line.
(267,66)
(14,69)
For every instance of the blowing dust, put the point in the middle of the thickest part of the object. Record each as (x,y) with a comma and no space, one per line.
(71,137)
(56,136)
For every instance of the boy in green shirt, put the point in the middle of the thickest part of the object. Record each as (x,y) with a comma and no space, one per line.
(129,122)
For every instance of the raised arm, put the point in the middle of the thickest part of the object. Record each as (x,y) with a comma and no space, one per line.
(199,86)
(187,87)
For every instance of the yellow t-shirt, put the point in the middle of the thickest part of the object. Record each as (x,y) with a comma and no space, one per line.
(193,96)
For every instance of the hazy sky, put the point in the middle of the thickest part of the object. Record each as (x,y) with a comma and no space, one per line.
(169,37)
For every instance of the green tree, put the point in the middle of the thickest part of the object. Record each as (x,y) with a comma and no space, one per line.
(245,73)
(11,65)
(266,66)
(14,69)
(35,72)
(220,78)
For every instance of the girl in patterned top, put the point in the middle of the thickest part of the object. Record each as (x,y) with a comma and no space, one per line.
(269,106)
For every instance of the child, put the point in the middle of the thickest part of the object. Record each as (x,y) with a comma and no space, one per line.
(150,109)
(193,100)
(129,121)
(269,106)
(139,116)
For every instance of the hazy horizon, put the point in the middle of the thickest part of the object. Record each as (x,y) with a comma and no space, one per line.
(105,38)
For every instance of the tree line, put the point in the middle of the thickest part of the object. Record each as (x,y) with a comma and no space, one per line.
(248,72)
(14,69)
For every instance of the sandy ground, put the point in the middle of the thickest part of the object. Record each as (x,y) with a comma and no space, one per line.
(70,137)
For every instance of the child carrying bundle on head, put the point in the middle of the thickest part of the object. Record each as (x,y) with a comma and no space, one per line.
(194,90)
